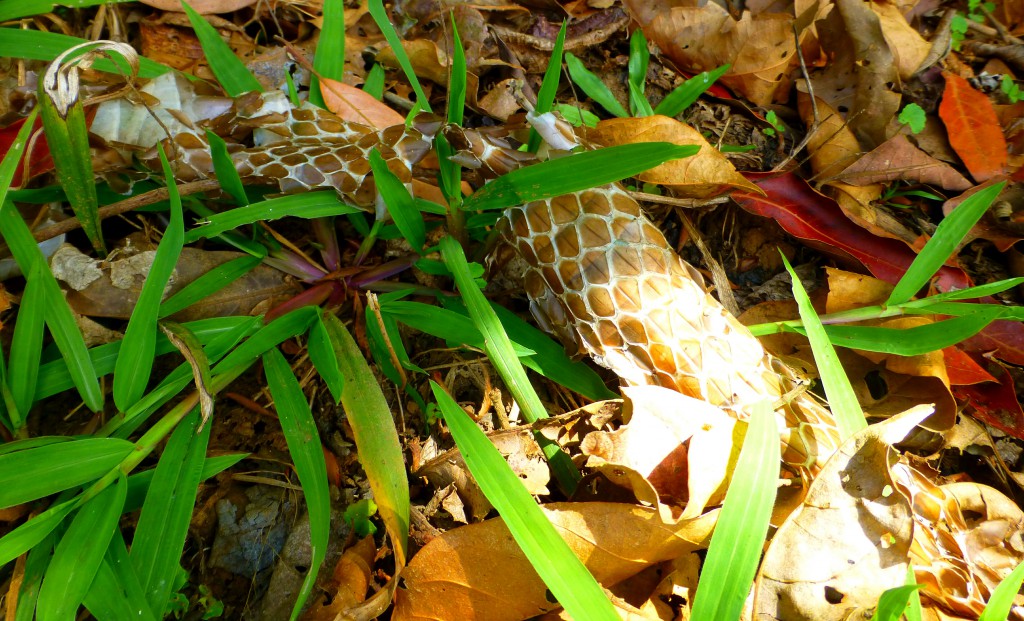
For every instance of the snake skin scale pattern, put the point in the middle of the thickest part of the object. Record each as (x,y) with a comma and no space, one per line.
(601,276)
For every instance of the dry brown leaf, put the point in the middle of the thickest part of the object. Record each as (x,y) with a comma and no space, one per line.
(478,572)
(897,158)
(428,60)
(849,541)
(349,584)
(833,146)
(907,45)
(706,174)
(761,49)
(968,537)
(653,451)
(356,105)
(111,288)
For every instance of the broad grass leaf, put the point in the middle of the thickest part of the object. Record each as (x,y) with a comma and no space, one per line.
(573,173)
(232,74)
(593,86)
(304,446)
(329,60)
(27,347)
(687,93)
(399,202)
(78,555)
(163,524)
(38,472)
(735,549)
(309,205)
(502,355)
(138,348)
(29,534)
(380,451)
(549,86)
(1002,599)
(115,593)
(37,45)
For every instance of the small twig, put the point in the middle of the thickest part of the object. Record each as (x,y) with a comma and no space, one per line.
(1000,28)
(687,203)
(813,129)
(129,204)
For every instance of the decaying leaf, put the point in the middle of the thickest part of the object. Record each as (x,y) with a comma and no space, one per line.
(850,540)
(973,127)
(706,174)
(356,105)
(478,571)
(897,158)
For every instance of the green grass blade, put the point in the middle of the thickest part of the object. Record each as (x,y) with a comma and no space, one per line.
(35,568)
(38,472)
(381,17)
(1002,599)
(310,205)
(548,357)
(329,61)
(27,347)
(54,376)
(59,318)
(380,451)
(564,574)
(224,168)
(684,96)
(593,86)
(503,357)
(36,45)
(639,59)
(917,340)
(163,524)
(79,554)
(971,293)
(374,83)
(35,530)
(138,348)
(208,284)
(913,609)
(308,458)
(573,173)
(944,241)
(457,78)
(399,202)
(841,398)
(13,9)
(742,525)
(454,327)
(270,335)
(138,483)
(548,87)
(893,602)
(231,72)
(321,353)
(116,594)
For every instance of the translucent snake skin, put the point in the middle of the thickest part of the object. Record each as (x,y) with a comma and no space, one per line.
(600,275)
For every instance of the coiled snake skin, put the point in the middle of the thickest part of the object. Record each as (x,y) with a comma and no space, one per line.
(601,276)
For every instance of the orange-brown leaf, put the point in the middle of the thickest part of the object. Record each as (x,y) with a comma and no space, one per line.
(356,105)
(973,127)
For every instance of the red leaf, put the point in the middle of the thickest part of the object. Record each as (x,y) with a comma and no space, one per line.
(973,128)
(1004,338)
(38,156)
(962,369)
(817,219)
(996,405)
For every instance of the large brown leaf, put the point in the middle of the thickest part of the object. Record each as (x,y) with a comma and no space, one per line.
(973,127)
(897,158)
(706,174)
(478,572)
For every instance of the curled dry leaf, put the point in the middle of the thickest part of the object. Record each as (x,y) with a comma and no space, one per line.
(478,572)
(706,174)
(667,460)
(896,159)
(349,583)
(850,539)
(973,127)
(761,49)
(968,538)
(908,46)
